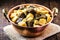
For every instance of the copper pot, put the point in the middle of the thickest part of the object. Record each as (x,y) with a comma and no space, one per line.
(31,31)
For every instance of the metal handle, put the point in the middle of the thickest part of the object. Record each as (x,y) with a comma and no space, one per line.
(55,11)
(4,11)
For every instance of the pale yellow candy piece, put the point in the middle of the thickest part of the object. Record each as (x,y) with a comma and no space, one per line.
(24,20)
(42,21)
(44,12)
(30,19)
(36,22)
(37,10)
(12,15)
(48,15)
(23,24)
(49,19)
(24,11)
(15,11)
(30,15)
(19,11)
(15,18)
(41,10)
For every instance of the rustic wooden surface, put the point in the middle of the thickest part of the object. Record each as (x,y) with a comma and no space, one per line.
(48,3)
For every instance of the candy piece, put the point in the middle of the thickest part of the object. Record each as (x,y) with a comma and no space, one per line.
(30,19)
(24,20)
(49,19)
(36,22)
(23,24)
(15,11)
(20,19)
(12,15)
(48,15)
(30,9)
(19,12)
(25,11)
(41,11)
(37,10)
(44,12)
(42,21)
(30,15)
(15,18)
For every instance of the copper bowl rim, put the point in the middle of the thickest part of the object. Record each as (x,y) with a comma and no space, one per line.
(9,12)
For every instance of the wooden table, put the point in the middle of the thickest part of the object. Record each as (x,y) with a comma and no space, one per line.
(48,3)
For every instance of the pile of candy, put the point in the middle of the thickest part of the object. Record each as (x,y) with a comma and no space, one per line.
(29,16)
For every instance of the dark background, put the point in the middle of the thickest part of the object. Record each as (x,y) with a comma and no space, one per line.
(48,3)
